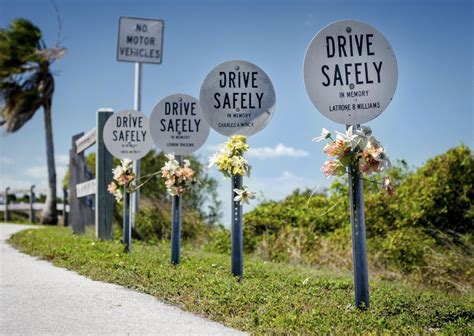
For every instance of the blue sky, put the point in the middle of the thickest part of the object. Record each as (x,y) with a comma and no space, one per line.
(432,109)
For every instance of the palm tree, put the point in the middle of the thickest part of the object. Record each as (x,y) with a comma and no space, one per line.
(26,84)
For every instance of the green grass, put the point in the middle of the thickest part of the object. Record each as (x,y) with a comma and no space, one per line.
(271,299)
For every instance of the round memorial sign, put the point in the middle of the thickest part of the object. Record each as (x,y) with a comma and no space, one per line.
(350,72)
(237,97)
(127,135)
(177,124)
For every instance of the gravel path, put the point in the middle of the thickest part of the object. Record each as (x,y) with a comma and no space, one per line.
(37,298)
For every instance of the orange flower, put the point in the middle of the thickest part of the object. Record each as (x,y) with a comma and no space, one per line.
(188,173)
(112,187)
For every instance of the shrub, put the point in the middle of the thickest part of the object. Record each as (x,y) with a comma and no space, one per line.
(406,248)
(439,196)
(153,222)
(219,241)
(424,230)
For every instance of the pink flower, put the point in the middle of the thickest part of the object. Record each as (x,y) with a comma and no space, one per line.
(334,168)
(112,187)
(371,160)
(337,148)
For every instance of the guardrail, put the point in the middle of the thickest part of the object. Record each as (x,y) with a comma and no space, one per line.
(31,206)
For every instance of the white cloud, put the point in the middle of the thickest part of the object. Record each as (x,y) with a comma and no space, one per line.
(213,148)
(37,172)
(39,175)
(279,150)
(62,159)
(6,160)
(279,187)
(14,183)
(22,179)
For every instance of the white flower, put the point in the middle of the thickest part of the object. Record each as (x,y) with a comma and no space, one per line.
(384,161)
(243,195)
(170,156)
(239,161)
(118,195)
(126,164)
(213,159)
(324,135)
(171,165)
(361,137)
(349,137)
(118,171)
(186,163)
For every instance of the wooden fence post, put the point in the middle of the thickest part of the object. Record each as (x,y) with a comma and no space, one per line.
(6,214)
(104,201)
(32,204)
(74,179)
(80,213)
(65,203)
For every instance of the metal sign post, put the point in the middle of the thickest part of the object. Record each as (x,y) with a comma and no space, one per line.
(350,74)
(126,135)
(135,197)
(127,229)
(140,41)
(236,229)
(176,224)
(177,126)
(237,97)
(359,253)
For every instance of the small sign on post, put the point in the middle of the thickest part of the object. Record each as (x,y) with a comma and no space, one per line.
(350,74)
(127,136)
(177,126)
(237,98)
(140,40)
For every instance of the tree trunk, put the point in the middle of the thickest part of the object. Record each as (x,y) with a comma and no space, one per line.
(49,214)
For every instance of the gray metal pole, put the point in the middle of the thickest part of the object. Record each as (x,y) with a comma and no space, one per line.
(359,253)
(127,230)
(65,202)
(176,225)
(237,232)
(137,105)
(32,203)
(6,215)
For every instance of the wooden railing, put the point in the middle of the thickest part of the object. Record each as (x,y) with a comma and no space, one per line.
(84,208)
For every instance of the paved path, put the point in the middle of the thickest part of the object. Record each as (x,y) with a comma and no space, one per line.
(37,298)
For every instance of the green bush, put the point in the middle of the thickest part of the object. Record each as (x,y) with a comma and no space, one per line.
(424,230)
(153,222)
(439,195)
(406,248)
(219,241)
(298,210)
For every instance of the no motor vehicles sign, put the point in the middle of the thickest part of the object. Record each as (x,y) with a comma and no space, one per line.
(140,40)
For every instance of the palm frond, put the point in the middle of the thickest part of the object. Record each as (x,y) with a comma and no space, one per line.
(19,105)
(18,45)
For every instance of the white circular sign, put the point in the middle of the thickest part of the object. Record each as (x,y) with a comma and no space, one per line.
(237,97)
(177,125)
(350,72)
(127,135)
